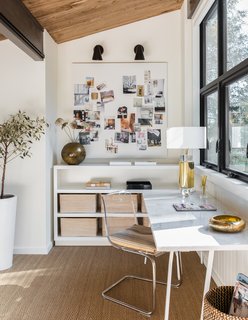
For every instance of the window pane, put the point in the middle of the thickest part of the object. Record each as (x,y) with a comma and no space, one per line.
(212,127)
(211,46)
(237,32)
(237,104)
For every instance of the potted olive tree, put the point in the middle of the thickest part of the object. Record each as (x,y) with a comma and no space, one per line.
(16,136)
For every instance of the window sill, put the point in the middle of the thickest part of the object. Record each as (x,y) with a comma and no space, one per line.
(236,187)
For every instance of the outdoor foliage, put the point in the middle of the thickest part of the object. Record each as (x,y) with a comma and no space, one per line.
(16,136)
(237,92)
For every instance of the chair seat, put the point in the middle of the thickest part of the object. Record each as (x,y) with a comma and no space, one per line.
(137,237)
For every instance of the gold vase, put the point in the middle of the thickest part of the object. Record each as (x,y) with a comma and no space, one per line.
(73,153)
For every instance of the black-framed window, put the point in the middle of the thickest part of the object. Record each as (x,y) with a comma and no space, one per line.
(224,87)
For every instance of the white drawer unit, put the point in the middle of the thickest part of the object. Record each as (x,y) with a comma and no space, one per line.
(78,211)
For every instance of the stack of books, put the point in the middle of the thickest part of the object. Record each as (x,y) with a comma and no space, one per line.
(98,184)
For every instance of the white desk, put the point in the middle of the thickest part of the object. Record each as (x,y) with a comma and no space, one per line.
(187,231)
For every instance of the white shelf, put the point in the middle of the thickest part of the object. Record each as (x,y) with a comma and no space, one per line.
(99,215)
(72,179)
(104,165)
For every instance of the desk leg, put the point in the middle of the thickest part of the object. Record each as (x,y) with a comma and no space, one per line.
(207,277)
(168,288)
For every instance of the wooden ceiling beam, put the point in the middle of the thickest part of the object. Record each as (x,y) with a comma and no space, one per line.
(192,5)
(18,25)
(94,25)
(66,20)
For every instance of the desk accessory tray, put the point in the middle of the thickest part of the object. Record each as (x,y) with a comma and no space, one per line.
(193,207)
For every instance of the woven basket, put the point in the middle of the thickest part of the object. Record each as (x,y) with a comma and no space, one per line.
(217,303)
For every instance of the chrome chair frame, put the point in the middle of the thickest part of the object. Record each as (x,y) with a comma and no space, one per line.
(146,256)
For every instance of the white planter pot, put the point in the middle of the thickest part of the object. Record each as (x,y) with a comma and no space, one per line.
(7,231)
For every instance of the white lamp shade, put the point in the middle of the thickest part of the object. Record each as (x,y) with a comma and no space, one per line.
(186,138)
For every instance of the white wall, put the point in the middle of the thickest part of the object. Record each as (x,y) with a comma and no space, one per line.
(23,86)
(51,72)
(161,38)
(226,264)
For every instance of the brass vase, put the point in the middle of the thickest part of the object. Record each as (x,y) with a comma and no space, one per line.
(73,153)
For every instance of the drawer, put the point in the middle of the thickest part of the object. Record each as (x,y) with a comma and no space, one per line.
(146,222)
(78,227)
(77,202)
(125,206)
(117,224)
(143,206)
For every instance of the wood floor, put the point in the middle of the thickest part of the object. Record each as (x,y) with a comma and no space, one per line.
(67,285)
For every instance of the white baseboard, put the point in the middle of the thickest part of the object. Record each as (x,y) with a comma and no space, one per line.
(215,275)
(217,278)
(34,250)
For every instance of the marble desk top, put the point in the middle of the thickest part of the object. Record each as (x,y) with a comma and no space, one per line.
(188,231)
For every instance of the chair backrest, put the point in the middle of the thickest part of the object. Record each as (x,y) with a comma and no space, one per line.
(119,212)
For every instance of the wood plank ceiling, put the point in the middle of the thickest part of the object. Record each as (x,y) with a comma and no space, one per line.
(66,20)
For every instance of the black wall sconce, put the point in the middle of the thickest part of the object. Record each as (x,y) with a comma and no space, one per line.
(139,52)
(98,51)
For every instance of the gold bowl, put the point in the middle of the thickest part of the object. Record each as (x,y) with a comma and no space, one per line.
(227,223)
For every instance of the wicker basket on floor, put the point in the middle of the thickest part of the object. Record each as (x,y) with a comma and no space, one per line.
(217,303)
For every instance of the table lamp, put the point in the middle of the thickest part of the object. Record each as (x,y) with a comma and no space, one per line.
(186,138)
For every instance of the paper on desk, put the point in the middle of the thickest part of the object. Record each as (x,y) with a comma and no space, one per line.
(175,217)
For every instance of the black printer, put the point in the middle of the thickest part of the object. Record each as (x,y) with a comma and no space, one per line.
(134,184)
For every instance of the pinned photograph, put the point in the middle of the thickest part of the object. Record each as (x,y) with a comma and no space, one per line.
(122,137)
(141,139)
(159,104)
(149,99)
(158,88)
(137,102)
(88,106)
(129,84)
(110,146)
(81,94)
(137,127)
(140,91)
(92,125)
(84,138)
(90,82)
(127,124)
(158,118)
(93,116)
(99,105)
(94,95)
(132,137)
(78,117)
(146,113)
(100,86)
(109,124)
(145,116)
(154,137)
(81,89)
(148,89)
(144,122)
(107,96)
(94,135)
(84,115)
(147,76)
(122,112)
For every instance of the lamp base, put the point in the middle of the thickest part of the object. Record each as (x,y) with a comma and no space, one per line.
(186,174)
(185,192)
